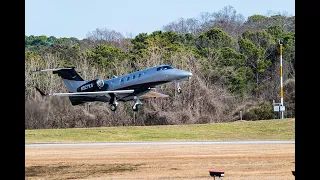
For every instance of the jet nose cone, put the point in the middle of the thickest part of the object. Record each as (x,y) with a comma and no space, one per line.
(177,74)
(185,74)
(190,75)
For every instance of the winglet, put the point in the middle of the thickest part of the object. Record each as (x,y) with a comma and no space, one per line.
(41,92)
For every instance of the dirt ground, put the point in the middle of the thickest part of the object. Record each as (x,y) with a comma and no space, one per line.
(238,161)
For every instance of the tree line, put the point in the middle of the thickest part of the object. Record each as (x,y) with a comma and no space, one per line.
(235,66)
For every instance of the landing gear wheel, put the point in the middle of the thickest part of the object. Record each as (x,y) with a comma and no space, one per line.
(135,107)
(113,107)
(179,90)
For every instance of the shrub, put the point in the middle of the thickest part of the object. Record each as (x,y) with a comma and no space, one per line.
(263,110)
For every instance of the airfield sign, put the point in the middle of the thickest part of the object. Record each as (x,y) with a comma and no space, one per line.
(278,108)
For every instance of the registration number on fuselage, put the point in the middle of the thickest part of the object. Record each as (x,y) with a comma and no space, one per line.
(87,86)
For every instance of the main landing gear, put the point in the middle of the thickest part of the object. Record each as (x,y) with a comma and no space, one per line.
(137,104)
(113,102)
(113,107)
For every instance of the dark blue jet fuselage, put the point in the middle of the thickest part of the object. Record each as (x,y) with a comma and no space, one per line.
(140,81)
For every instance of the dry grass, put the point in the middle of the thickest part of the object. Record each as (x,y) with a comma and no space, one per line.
(76,171)
(239,161)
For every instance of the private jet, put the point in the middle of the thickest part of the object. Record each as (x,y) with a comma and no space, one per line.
(133,86)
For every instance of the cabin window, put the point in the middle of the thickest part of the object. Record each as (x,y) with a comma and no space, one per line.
(122,81)
(139,75)
(159,68)
(128,78)
(134,76)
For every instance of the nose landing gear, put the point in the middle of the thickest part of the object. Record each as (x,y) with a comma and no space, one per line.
(179,88)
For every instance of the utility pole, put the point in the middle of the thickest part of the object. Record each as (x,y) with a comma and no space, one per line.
(281,84)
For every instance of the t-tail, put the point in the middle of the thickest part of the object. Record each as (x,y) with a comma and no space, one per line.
(71,79)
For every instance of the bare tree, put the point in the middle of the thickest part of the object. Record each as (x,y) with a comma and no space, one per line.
(193,25)
(105,36)
(228,20)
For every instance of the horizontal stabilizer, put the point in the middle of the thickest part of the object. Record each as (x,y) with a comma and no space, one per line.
(68,73)
(44,70)
(41,92)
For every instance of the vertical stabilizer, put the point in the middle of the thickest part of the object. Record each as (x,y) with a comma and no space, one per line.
(70,77)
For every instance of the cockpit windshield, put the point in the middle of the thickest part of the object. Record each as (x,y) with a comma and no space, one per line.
(164,68)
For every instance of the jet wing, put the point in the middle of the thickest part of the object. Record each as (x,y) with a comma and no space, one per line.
(153,94)
(95,93)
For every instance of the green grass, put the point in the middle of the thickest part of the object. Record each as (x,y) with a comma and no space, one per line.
(245,130)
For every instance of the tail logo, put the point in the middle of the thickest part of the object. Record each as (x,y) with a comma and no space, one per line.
(100,83)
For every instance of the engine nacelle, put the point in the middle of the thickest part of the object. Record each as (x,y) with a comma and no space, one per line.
(94,85)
